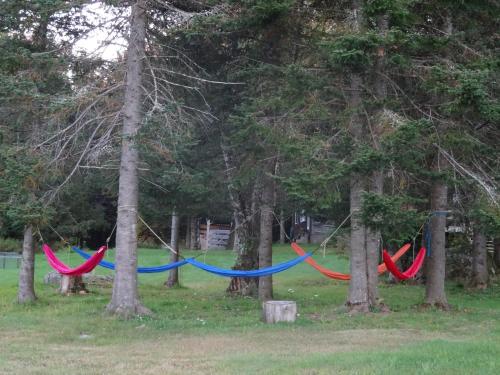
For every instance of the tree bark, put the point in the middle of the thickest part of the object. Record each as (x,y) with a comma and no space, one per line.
(247,250)
(436,263)
(358,286)
(173,274)
(479,260)
(72,284)
(187,240)
(193,233)
(496,245)
(266,238)
(373,244)
(26,291)
(376,184)
(282,227)
(246,244)
(125,299)
(357,300)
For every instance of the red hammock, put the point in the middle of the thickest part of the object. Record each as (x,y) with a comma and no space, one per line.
(344,276)
(63,269)
(411,271)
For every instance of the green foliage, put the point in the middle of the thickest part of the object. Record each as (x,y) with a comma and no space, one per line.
(407,146)
(10,245)
(395,216)
(486,216)
(21,177)
(262,12)
(399,11)
(352,51)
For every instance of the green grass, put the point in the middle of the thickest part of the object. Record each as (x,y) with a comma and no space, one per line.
(198,329)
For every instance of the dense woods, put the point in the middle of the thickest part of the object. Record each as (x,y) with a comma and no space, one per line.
(247,112)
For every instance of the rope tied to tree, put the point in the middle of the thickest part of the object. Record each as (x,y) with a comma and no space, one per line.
(157,236)
(427,232)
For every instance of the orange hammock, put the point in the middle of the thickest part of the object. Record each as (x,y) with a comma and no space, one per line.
(344,276)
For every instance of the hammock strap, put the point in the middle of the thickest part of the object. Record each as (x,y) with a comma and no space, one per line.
(157,236)
(323,244)
(39,234)
(111,234)
(427,232)
(58,235)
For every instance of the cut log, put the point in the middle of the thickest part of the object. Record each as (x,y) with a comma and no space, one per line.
(279,311)
(72,284)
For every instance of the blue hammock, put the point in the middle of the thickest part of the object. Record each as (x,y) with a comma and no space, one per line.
(251,273)
(111,266)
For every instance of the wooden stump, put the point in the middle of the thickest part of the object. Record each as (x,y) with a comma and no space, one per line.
(279,311)
(72,284)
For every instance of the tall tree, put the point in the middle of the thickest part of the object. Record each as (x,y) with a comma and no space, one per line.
(266,231)
(125,300)
(30,66)
(173,275)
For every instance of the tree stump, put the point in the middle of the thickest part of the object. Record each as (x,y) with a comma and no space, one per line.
(72,284)
(279,311)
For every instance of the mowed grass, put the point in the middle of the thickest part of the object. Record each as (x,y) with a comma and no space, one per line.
(197,329)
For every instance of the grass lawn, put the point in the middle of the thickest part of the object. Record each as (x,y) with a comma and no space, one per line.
(198,330)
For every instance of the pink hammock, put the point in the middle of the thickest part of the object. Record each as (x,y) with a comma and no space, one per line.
(411,271)
(63,269)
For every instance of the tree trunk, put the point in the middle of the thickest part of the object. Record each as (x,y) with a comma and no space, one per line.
(236,240)
(125,299)
(247,260)
(72,284)
(279,311)
(496,245)
(247,249)
(266,238)
(245,243)
(373,236)
(187,239)
(358,285)
(479,260)
(436,262)
(373,244)
(192,233)
(282,227)
(173,274)
(26,291)
(357,300)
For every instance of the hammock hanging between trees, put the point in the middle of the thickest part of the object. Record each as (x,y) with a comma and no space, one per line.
(212,269)
(111,266)
(250,273)
(411,271)
(63,269)
(344,276)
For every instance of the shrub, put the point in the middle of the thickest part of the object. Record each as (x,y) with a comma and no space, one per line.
(10,245)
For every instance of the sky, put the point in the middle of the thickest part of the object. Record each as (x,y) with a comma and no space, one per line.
(103,41)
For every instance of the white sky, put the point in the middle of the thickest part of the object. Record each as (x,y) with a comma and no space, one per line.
(103,41)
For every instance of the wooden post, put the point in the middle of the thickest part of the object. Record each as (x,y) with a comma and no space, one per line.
(279,311)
